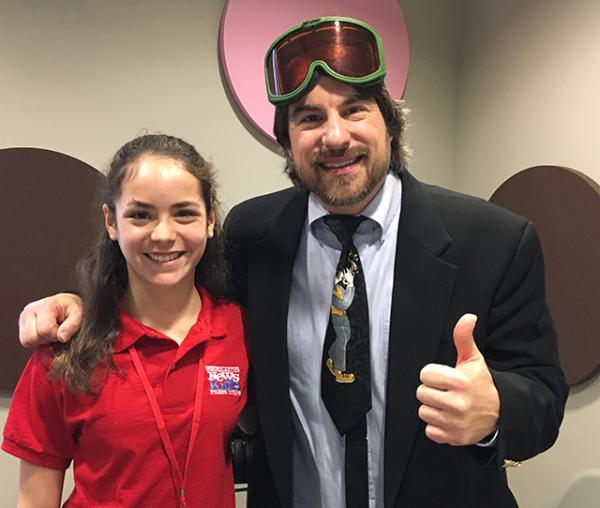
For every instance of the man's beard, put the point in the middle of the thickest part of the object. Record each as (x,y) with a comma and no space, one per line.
(325,189)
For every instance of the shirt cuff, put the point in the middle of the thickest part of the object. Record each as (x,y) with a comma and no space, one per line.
(488,441)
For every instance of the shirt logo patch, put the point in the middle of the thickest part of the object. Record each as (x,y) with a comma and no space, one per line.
(224,380)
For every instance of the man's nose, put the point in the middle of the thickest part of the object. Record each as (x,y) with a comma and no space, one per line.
(336,135)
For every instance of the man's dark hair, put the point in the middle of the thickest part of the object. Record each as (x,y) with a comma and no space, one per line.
(394,115)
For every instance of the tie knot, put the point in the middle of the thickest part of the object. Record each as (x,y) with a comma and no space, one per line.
(344,226)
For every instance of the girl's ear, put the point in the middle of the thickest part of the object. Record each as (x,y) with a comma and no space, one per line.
(110,223)
(211,220)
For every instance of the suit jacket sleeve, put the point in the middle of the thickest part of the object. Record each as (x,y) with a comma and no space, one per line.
(521,352)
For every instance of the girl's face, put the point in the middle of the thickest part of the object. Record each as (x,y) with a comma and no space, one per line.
(160,222)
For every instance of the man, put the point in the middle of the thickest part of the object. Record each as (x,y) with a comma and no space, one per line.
(463,372)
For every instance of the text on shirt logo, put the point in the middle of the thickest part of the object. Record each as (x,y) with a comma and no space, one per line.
(224,380)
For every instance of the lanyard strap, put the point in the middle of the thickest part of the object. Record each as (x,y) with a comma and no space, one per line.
(178,478)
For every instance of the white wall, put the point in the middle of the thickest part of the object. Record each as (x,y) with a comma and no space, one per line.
(432,88)
(528,94)
(83,77)
(529,77)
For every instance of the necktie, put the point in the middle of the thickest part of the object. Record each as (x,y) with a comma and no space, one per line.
(346,373)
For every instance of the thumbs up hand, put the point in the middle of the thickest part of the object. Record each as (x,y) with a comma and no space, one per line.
(460,404)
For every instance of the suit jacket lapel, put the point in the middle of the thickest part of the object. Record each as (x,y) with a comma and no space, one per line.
(423,284)
(268,310)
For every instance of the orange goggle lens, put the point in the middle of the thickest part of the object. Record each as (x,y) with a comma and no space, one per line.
(345,50)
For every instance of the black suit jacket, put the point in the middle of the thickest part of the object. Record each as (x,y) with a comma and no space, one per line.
(455,254)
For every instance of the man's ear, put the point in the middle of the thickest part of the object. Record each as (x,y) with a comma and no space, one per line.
(109,222)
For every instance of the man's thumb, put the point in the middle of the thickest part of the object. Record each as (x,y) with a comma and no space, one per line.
(464,341)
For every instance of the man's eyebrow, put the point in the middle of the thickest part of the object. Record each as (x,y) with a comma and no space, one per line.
(356,98)
(308,108)
(304,108)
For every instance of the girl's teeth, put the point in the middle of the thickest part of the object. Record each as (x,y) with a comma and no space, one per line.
(165,258)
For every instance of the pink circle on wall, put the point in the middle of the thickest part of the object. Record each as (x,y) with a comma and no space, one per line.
(249,27)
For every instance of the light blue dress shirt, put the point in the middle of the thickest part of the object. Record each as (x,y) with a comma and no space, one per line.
(318,449)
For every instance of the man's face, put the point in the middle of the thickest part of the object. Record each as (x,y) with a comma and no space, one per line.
(339,145)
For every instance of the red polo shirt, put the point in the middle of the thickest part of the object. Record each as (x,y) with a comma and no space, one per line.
(112,438)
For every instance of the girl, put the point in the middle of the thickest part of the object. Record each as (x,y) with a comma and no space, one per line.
(144,399)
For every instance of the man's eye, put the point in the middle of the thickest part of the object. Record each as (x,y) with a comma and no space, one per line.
(309,119)
(354,110)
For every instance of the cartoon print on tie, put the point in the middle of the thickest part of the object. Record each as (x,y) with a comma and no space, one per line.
(342,297)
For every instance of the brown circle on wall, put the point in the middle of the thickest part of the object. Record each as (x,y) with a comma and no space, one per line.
(564,205)
(46,204)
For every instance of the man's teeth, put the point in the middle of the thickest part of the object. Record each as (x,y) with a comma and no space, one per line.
(164,258)
(335,165)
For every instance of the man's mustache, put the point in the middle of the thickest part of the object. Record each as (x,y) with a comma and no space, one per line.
(350,153)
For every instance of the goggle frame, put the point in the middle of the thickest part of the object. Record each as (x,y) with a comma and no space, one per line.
(310,25)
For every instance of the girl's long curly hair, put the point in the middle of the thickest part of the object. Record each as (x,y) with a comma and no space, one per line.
(102,273)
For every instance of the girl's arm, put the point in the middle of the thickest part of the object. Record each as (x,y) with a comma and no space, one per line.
(39,487)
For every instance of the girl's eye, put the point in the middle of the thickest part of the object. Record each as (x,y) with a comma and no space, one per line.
(187,213)
(138,215)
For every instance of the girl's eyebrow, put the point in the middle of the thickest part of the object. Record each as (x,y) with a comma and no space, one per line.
(181,204)
(141,204)
(185,204)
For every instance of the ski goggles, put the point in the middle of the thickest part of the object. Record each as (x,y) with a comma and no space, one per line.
(345,49)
